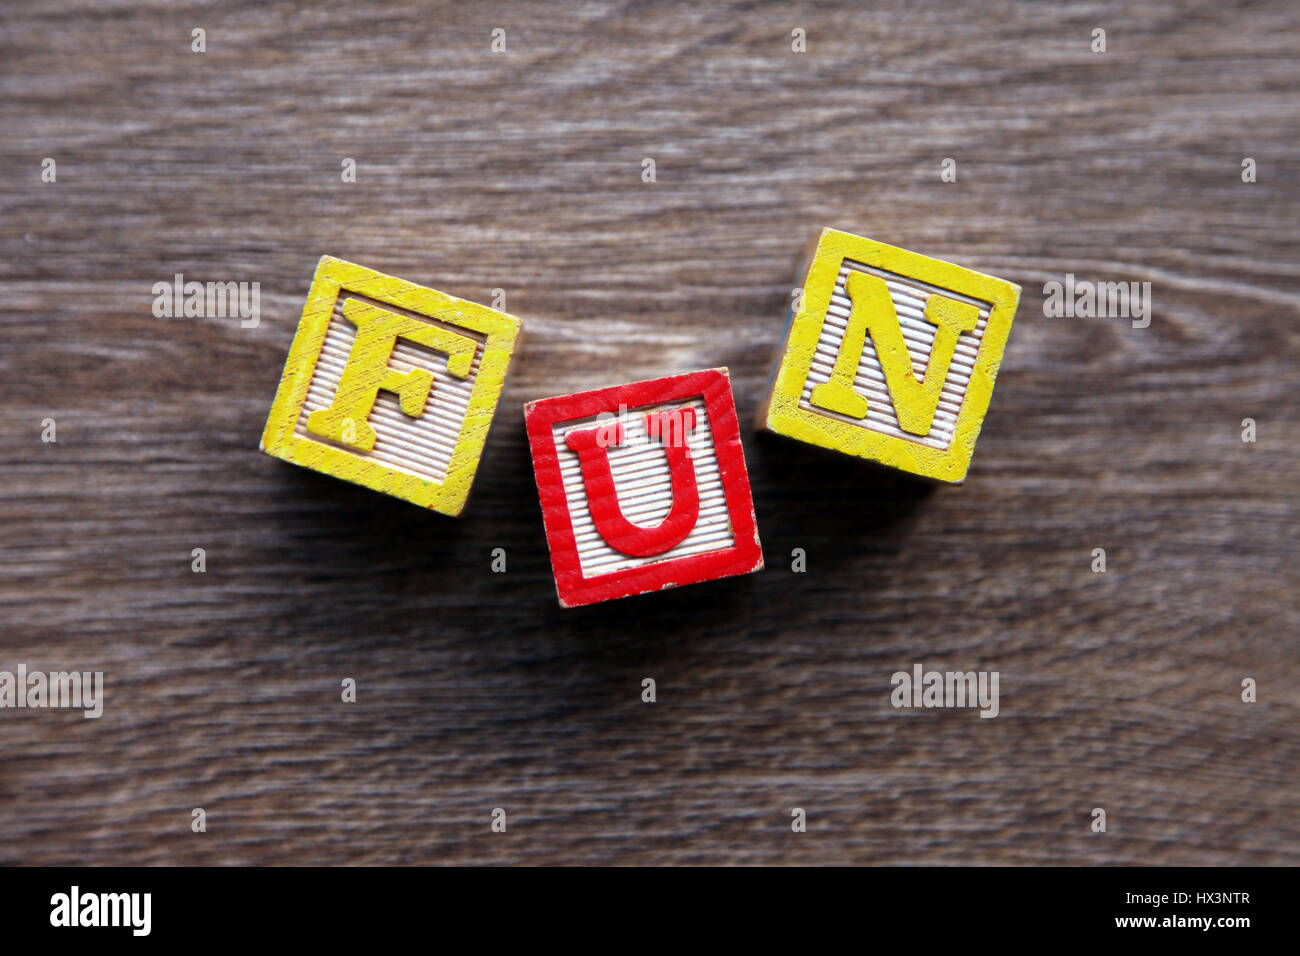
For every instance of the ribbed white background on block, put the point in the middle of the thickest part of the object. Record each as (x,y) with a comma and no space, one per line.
(909,298)
(644,485)
(421,446)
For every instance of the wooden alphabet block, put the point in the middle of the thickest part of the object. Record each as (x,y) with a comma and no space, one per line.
(643,486)
(892,356)
(391,385)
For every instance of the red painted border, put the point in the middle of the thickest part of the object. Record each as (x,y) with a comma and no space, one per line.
(744,556)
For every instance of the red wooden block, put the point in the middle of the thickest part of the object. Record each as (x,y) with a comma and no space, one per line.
(643,486)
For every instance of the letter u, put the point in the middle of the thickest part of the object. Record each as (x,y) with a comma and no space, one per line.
(602,496)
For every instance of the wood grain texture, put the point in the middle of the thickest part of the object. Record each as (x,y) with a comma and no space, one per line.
(522,171)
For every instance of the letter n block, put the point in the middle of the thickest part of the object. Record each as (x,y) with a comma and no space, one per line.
(391,385)
(891,356)
(643,487)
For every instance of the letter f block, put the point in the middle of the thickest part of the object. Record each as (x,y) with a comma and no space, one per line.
(891,357)
(391,385)
(643,487)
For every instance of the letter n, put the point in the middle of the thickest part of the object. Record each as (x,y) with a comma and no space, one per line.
(873,312)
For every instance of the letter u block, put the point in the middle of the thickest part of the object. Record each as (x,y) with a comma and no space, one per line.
(643,487)
(391,385)
(891,356)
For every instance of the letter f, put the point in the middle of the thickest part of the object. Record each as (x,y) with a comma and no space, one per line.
(367,372)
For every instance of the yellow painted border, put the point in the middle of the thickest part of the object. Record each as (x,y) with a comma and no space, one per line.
(502,333)
(783,414)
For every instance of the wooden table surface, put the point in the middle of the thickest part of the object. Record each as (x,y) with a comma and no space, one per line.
(523,171)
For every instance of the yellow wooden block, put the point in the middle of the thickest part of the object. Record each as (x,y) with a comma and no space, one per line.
(891,356)
(391,385)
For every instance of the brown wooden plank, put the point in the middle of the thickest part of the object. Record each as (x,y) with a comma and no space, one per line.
(522,171)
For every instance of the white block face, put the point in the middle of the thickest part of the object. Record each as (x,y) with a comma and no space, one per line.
(644,484)
(421,446)
(909,297)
